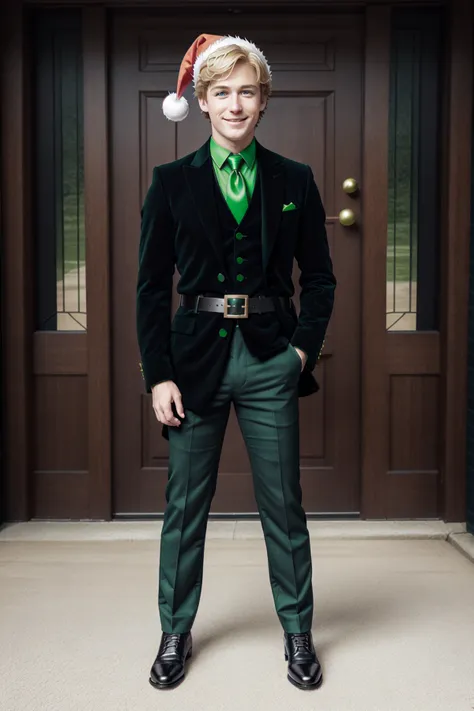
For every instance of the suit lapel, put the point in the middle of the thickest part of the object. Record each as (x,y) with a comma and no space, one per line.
(200,180)
(272,187)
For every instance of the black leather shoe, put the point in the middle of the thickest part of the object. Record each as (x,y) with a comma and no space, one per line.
(304,669)
(168,668)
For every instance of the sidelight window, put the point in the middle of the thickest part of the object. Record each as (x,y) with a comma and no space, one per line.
(59,176)
(414,156)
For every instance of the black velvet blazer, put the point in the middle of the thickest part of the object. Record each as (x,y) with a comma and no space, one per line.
(180,229)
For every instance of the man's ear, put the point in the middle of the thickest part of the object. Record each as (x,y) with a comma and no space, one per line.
(203,104)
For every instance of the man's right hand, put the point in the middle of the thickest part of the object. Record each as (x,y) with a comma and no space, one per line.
(163,395)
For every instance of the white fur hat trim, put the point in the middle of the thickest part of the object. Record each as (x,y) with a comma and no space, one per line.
(224,42)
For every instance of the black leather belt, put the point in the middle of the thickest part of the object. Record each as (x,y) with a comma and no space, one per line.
(233,305)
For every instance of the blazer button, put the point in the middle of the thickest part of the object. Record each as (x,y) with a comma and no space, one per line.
(239,236)
(240,277)
(221,277)
(240,260)
(222,333)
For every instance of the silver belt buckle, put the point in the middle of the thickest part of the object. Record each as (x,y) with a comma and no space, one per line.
(236,306)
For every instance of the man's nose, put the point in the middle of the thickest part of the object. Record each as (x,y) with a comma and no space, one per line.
(236,105)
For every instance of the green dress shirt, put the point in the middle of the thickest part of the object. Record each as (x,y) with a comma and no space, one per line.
(222,169)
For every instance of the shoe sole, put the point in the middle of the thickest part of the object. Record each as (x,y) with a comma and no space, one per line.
(177,682)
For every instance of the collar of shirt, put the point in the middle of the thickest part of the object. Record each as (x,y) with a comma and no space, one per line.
(219,154)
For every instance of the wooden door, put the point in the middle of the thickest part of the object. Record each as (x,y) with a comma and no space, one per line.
(314,116)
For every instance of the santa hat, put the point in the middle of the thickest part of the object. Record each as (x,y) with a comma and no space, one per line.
(175,106)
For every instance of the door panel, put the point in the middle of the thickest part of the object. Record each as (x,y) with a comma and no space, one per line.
(314,116)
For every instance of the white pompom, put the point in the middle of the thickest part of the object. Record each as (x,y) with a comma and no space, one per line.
(175,109)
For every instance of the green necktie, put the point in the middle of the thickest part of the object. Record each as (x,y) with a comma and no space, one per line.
(236,193)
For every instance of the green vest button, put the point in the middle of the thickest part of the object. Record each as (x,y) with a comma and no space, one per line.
(239,236)
(221,277)
(222,333)
(240,260)
(240,277)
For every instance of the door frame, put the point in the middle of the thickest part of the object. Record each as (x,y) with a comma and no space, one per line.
(442,353)
(23,351)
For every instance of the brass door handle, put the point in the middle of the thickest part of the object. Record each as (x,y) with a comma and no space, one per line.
(350,185)
(347,217)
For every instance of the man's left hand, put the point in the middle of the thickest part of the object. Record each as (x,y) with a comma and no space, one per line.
(303,357)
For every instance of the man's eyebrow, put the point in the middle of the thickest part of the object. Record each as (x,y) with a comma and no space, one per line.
(223,86)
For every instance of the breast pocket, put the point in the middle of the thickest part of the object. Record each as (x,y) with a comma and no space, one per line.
(290,222)
(290,216)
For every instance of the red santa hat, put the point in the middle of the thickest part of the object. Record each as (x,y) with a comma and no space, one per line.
(175,106)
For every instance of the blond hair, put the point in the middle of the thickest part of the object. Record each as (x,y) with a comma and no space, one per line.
(220,65)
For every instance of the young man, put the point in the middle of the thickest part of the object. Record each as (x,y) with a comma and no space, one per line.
(232,217)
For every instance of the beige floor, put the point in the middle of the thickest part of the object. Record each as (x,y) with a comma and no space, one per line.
(393,624)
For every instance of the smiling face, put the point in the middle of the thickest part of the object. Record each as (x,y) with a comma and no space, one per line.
(234,104)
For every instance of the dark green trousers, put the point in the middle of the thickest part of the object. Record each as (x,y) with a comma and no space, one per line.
(266,403)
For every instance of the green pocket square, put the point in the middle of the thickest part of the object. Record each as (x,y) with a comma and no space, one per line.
(290,206)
